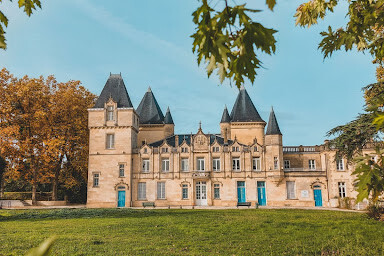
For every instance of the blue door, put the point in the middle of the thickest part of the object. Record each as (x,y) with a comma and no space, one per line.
(318,197)
(261,198)
(121,199)
(241,191)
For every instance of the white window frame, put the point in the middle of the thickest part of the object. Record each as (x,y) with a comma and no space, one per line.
(216,164)
(165,164)
(342,189)
(256,164)
(184,164)
(340,165)
(142,191)
(236,164)
(200,164)
(291,194)
(110,113)
(121,170)
(184,191)
(110,141)
(216,191)
(312,164)
(145,165)
(96,180)
(287,164)
(275,163)
(161,190)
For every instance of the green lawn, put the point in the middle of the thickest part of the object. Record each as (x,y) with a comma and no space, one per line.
(207,232)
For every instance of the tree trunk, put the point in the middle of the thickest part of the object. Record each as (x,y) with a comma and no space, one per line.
(1,187)
(54,186)
(34,187)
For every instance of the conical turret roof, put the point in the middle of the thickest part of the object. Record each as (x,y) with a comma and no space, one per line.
(168,117)
(243,109)
(114,88)
(149,110)
(225,118)
(273,126)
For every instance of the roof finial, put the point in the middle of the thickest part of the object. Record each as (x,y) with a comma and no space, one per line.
(200,125)
(272,108)
(242,87)
(110,73)
(149,89)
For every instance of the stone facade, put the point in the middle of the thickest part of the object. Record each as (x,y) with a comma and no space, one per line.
(135,158)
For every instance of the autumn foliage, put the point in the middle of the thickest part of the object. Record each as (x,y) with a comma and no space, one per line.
(43,131)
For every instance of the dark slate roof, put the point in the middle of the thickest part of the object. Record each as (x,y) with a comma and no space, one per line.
(168,117)
(225,118)
(243,109)
(273,126)
(114,88)
(149,110)
(187,137)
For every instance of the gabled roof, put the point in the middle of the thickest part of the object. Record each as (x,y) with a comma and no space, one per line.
(187,137)
(225,117)
(149,110)
(114,88)
(168,117)
(243,109)
(273,126)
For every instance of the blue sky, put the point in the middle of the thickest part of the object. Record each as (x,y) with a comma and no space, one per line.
(148,42)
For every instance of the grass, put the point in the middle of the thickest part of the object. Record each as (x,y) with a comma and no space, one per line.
(185,232)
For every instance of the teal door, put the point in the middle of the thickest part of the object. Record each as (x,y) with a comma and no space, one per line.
(318,197)
(261,198)
(121,199)
(241,191)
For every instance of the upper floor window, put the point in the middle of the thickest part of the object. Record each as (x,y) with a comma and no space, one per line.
(256,164)
(145,165)
(340,164)
(200,164)
(121,170)
(184,150)
(311,164)
(236,164)
(164,150)
(235,149)
(96,179)
(184,164)
(342,189)
(255,149)
(275,163)
(145,151)
(110,113)
(165,164)
(215,149)
(110,143)
(287,164)
(216,164)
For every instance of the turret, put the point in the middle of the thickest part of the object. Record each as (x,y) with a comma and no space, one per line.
(169,126)
(274,145)
(225,125)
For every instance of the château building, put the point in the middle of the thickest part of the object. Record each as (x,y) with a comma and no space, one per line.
(135,157)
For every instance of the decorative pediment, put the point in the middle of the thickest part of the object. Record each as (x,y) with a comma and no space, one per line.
(200,142)
(121,184)
(318,182)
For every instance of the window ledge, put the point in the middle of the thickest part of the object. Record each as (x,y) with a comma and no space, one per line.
(292,199)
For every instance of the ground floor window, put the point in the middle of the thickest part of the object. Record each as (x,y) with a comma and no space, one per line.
(96,179)
(342,189)
(160,190)
(142,191)
(291,194)
(184,191)
(216,191)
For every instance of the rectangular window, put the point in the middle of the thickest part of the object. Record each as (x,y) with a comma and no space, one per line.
(184,150)
(311,164)
(216,164)
(291,194)
(110,144)
(109,113)
(215,149)
(184,164)
(200,164)
(255,149)
(235,149)
(236,164)
(96,179)
(121,170)
(142,191)
(216,191)
(165,164)
(164,150)
(340,164)
(184,191)
(287,164)
(342,189)
(160,190)
(275,163)
(145,165)
(256,164)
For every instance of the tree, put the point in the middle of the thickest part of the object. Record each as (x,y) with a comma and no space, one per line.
(28,5)
(3,165)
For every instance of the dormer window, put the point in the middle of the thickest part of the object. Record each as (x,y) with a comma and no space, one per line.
(235,149)
(184,150)
(215,149)
(164,150)
(110,113)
